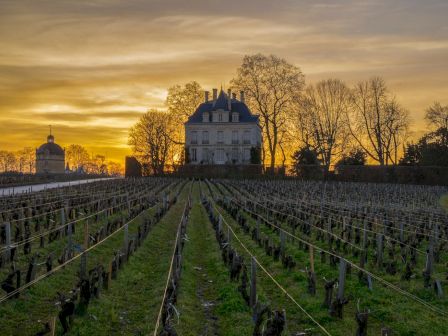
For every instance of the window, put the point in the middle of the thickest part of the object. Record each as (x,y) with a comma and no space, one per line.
(194,155)
(205,117)
(205,137)
(220,156)
(205,155)
(220,137)
(246,137)
(194,137)
(246,154)
(234,137)
(220,117)
(234,155)
(235,117)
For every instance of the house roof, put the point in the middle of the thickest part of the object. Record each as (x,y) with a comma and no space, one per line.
(51,147)
(245,116)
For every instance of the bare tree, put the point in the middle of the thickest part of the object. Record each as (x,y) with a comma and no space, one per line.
(285,138)
(322,112)
(77,156)
(376,121)
(97,164)
(437,115)
(150,141)
(271,87)
(27,159)
(396,123)
(302,124)
(8,161)
(183,101)
(114,168)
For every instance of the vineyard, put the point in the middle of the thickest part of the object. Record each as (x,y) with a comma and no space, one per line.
(171,256)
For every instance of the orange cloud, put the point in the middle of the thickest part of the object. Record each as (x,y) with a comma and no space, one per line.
(91,68)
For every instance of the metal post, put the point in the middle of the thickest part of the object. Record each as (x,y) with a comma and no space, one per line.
(282,242)
(342,272)
(364,240)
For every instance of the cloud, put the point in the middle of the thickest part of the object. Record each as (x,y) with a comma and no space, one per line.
(92,67)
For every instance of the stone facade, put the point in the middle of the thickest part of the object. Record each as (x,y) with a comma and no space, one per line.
(222,131)
(50,158)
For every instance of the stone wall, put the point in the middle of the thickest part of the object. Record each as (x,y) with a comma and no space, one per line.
(51,164)
(219,171)
(133,168)
(393,174)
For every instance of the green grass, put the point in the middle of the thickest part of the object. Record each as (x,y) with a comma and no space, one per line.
(57,246)
(388,307)
(20,316)
(131,304)
(208,302)
(205,280)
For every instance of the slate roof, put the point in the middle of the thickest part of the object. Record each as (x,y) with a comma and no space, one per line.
(245,116)
(221,102)
(53,149)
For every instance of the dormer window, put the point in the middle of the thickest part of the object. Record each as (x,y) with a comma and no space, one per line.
(220,117)
(205,117)
(235,117)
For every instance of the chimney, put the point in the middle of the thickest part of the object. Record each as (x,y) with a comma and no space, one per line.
(233,95)
(215,94)
(229,101)
(206,96)
(242,96)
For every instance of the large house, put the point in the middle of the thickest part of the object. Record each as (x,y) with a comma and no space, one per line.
(222,131)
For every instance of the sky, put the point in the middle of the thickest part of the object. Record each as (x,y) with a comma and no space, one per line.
(91,68)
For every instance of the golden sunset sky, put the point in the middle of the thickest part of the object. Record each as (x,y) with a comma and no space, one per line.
(91,68)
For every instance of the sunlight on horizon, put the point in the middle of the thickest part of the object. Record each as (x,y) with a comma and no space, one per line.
(93,70)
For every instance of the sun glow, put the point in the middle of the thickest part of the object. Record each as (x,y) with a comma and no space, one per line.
(93,70)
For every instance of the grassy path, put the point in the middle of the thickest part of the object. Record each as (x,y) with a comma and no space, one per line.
(209,304)
(131,304)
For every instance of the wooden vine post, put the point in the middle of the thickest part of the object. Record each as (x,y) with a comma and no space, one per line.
(126,241)
(8,240)
(253,283)
(85,247)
